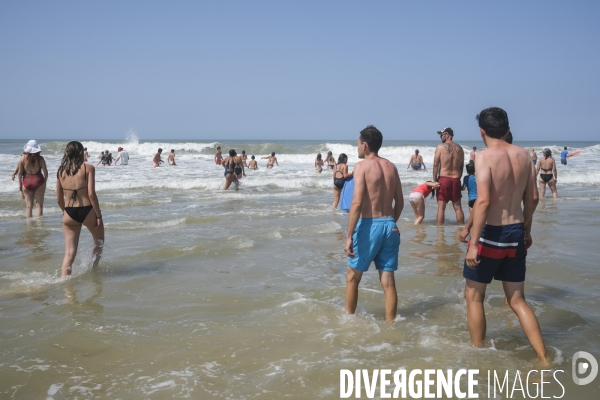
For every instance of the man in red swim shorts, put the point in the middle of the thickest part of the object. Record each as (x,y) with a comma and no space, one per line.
(448,164)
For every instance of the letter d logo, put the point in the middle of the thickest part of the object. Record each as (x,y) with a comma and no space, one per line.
(583,367)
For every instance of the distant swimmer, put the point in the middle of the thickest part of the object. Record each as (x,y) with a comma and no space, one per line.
(272,160)
(416,162)
(564,155)
(156,161)
(33,176)
(171,159)
(501,230)
(123,156)
(110,158)
(105,160)
(85,154)
(252,164)
(330,160)
(229,173)
(472,154)
(372,231)
(418,196)
(534,156)
(238,166)
(340,175)
(549,176)
(218,156)
(76,181)
(244,158)
(448,164)
(319,163)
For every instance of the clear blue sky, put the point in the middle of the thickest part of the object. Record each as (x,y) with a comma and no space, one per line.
(297,69)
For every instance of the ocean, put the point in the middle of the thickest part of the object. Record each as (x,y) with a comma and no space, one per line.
(204,293)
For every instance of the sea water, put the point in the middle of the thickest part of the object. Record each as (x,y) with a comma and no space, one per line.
(205,293)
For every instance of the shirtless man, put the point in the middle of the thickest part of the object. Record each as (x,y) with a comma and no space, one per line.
(171,159)
(372,232)
(472,154)
(448,164)
(157,160)
(501,230)
(253,164)
(534,156)
(272,160)
(218,156)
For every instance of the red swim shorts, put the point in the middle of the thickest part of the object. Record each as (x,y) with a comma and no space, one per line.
(449,189)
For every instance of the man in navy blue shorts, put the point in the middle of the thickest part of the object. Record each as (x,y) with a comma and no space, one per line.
(501,231)
(372,232)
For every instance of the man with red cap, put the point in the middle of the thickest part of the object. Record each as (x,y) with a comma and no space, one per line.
(448,165)
(123,156)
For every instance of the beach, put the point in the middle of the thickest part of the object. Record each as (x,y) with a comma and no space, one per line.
(203,293)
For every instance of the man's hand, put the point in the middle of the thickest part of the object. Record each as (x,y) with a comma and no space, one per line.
(471,258)
(349,247)
(528,240)
(463,235)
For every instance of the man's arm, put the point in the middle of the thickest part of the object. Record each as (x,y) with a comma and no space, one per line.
(355,207)
(531,199)
(480,209)
(436,164)
(398,197)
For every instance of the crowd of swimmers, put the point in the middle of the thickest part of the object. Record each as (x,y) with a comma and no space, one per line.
(502,198)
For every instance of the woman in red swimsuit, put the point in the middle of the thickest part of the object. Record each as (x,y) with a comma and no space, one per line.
(33,175)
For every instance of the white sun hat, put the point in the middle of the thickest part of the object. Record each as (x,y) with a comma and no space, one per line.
(32,147)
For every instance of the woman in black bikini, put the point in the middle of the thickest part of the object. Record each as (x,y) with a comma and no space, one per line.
(340,174)
(33,175)
(549,176)
(78,185)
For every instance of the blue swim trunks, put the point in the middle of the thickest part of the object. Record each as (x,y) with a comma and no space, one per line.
(502,255)
(375,239)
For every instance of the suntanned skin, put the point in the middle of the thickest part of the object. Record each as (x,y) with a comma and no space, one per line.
(343,169)
(218,157)
(157,160)
(547,163)
(448,161)
(376,186)
(38,194)
(416,159)
(505,178)
(171,159)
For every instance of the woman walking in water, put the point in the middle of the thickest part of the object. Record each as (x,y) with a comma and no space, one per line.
(76,180)
(340,174)
(33,175)
(548,166)
(416,162)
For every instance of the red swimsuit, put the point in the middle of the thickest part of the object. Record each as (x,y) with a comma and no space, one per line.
(32,182)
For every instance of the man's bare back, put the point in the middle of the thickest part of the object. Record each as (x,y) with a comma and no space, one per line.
(507,171)
(377,179)
(448,160)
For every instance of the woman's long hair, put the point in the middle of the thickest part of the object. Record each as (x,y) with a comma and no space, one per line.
(72,160)
(547,152)
(343,158)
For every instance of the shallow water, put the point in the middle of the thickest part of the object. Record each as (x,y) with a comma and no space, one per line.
(209,294)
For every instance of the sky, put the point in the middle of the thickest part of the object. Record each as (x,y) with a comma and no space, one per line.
(305,69)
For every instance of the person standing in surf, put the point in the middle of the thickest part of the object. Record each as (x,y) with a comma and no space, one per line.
(372,232)
(171,158)
(76,181)
(156,161)
(549,175)
(218,156)
(340,175)
(501,230)
(448,164)
(33,176)
(272,160)
(416,162)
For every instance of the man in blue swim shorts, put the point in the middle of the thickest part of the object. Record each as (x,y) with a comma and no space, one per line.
(372,232)
(501,231)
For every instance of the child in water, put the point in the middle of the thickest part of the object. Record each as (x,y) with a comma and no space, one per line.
(253,164)
(470,184)
(417,198)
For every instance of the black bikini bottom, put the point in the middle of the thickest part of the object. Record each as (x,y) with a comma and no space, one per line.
(546,177)
(78,213)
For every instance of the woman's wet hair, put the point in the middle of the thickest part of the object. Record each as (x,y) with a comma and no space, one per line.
(172,150)
(232,153)
(72,159)
(252,157)
(243,151)
(318,156)
(547,152)
(417,152)
(342,158)
(273,154)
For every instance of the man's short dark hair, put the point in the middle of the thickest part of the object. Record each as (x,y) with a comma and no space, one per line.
(372,137)
(494,121)
(565,147)
(471,168)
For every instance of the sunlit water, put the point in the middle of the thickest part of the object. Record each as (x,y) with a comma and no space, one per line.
(203,293)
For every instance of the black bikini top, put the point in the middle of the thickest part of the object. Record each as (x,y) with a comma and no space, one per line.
(74,194)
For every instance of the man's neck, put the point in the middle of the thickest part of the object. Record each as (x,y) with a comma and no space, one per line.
(371,155)
(492,142)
